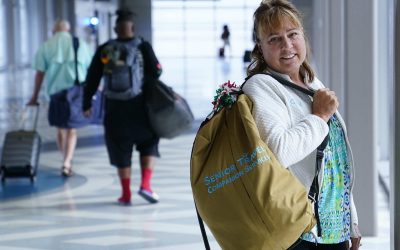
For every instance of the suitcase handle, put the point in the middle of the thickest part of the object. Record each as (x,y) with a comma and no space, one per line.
(24,116)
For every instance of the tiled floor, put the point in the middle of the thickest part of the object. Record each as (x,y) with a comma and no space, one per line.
(81,212)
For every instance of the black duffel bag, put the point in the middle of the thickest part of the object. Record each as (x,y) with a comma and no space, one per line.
(169,113)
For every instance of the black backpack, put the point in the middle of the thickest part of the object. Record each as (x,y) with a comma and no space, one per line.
(123,69)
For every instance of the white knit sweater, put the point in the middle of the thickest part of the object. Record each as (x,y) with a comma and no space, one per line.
(285,122)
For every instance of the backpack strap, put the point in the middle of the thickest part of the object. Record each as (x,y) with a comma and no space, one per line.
(285,82)
(202,229)
(314,189)
(75,43)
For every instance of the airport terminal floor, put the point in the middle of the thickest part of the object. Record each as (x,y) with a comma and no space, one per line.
(81,212)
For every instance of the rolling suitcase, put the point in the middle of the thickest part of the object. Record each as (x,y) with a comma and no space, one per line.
(21,150)
(247,56)
(221,52)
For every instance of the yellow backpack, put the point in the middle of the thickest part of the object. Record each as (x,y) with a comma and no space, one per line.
(245,196)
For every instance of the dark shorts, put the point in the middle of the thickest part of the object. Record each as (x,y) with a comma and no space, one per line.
(306,245)
(58,113)
(120,149)
(126,126)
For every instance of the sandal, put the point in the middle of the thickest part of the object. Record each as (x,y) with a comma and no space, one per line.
(66,172)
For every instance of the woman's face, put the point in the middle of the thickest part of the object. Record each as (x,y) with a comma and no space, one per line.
(284,49)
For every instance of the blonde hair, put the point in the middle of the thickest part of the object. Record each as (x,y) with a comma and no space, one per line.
(268,17)
(61,25)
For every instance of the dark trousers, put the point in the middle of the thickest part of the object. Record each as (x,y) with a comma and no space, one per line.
(306,245)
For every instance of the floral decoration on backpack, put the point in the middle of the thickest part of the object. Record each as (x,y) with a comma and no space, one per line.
(226,95)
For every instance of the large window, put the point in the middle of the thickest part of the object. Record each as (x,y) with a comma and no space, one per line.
(2,36)
(186,38)
(193,28)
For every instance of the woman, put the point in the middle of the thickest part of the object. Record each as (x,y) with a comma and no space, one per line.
(294,125)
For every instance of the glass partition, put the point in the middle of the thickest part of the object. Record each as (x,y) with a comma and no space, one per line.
(3,39)
(186,36)
(193,28)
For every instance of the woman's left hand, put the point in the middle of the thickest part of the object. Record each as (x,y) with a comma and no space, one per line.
(355,240)
(355,243)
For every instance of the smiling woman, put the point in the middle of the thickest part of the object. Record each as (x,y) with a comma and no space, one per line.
(294,132)
(284,50)
(280,37)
